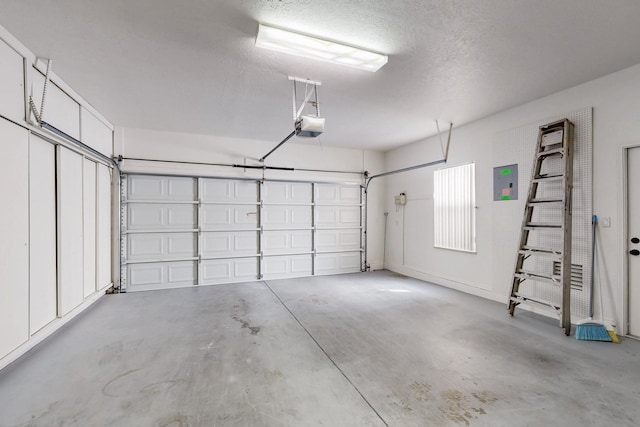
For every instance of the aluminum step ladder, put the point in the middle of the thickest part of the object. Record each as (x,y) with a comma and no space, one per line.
(543,263)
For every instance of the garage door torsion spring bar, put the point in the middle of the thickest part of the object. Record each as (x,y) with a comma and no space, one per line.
(263,167)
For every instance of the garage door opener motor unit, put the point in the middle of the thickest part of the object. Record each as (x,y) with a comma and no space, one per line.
(306,121)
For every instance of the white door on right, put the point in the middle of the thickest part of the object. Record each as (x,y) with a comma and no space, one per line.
(633,242)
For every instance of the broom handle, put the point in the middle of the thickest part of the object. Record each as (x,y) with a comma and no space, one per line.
(594,221)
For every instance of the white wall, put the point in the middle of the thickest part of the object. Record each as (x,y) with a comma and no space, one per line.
(49,270)
(299,154)
(616,124)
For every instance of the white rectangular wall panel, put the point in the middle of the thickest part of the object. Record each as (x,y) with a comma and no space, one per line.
(229,243)
(14,237)
(70,234)
(217,271)
(227,191)
(11,83)
(280,267)
(60,110)
(337,263)
(89,225)
(43,296)
(95,133)
(104,227)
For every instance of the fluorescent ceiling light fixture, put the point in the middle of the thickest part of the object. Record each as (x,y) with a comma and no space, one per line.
(322,50)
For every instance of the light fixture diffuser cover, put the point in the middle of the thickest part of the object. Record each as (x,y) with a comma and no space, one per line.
(322,50)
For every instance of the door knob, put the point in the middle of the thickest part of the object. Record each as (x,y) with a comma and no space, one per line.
(635,240)
(634,252)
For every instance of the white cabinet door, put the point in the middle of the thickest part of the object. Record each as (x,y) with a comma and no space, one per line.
(42,181)
(60,111)
(89,200)
(104,227)
(633,242)
(70,236)
(95,134)
(11,83)
(14,237)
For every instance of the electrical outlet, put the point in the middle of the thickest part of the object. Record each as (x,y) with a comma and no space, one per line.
(605,221)
(400,199)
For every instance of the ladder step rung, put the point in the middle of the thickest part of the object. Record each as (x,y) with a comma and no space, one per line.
(542,225)
(542,249)
(542,200)
(549,305)
(553,152)
(551,254)
(538,277)
(548,177)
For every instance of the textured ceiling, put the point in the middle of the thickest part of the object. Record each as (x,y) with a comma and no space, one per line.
(191,66)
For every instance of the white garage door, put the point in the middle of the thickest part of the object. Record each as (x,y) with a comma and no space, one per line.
(184,231)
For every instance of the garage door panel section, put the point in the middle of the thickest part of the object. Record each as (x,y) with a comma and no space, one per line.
(161,275)
(183,231)
(161,246)
(337,263)
(337,194)
(286,266)
(225,191)
(216,271)
(338,240)
(229,217)
(166,189)
(339,228)
(229,244)
(338,216)
(287,242)
(144,216)
(278,217)
(287,192)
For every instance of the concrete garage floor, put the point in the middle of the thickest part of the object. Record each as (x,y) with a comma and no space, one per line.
(353,350)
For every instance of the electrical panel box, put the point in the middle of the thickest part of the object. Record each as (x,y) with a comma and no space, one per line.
(401,199)
(505,183)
